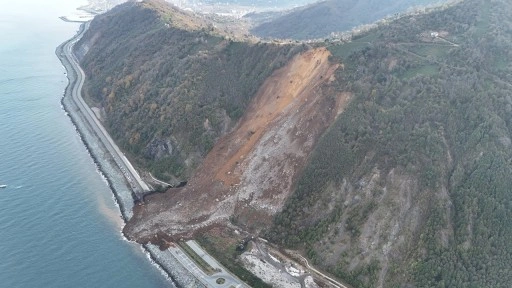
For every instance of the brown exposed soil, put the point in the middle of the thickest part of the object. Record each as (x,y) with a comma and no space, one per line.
(276,95)
(252,170)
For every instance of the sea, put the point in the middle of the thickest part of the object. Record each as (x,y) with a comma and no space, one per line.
(59,224)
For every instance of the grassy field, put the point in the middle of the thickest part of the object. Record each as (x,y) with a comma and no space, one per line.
(209,270)
(343,51)
(426,70)
(222,246)
(436,51)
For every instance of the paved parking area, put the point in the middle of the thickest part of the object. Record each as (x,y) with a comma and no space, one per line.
(214,280)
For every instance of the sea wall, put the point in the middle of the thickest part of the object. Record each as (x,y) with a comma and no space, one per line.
(113,175)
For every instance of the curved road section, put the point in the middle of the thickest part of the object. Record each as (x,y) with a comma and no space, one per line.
(139,187)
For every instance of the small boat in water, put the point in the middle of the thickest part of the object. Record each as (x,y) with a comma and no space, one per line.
(3,186)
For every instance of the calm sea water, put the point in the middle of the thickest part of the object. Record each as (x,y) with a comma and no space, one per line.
(59,226)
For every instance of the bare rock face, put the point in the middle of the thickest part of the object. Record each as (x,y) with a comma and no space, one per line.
(382,215)
(159,148)
(250,172)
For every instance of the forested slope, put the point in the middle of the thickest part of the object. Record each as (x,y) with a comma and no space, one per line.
(320,19)
(411,186)
(169,84)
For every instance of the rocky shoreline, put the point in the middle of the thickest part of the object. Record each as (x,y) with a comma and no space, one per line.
(108,168)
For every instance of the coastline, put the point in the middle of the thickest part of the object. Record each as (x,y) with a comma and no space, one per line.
(109,169)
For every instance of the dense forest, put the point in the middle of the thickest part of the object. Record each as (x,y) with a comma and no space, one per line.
(319,20)
(411,186)
(168,84)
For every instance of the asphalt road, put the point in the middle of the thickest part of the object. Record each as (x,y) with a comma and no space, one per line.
(138,185)
(207,280)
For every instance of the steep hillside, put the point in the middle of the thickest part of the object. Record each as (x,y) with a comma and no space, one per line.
(386,161)
(251,171)
(411,186)
(168,85)
(320,19)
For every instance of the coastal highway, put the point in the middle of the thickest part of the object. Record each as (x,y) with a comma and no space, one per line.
(138,185)
(228,280)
